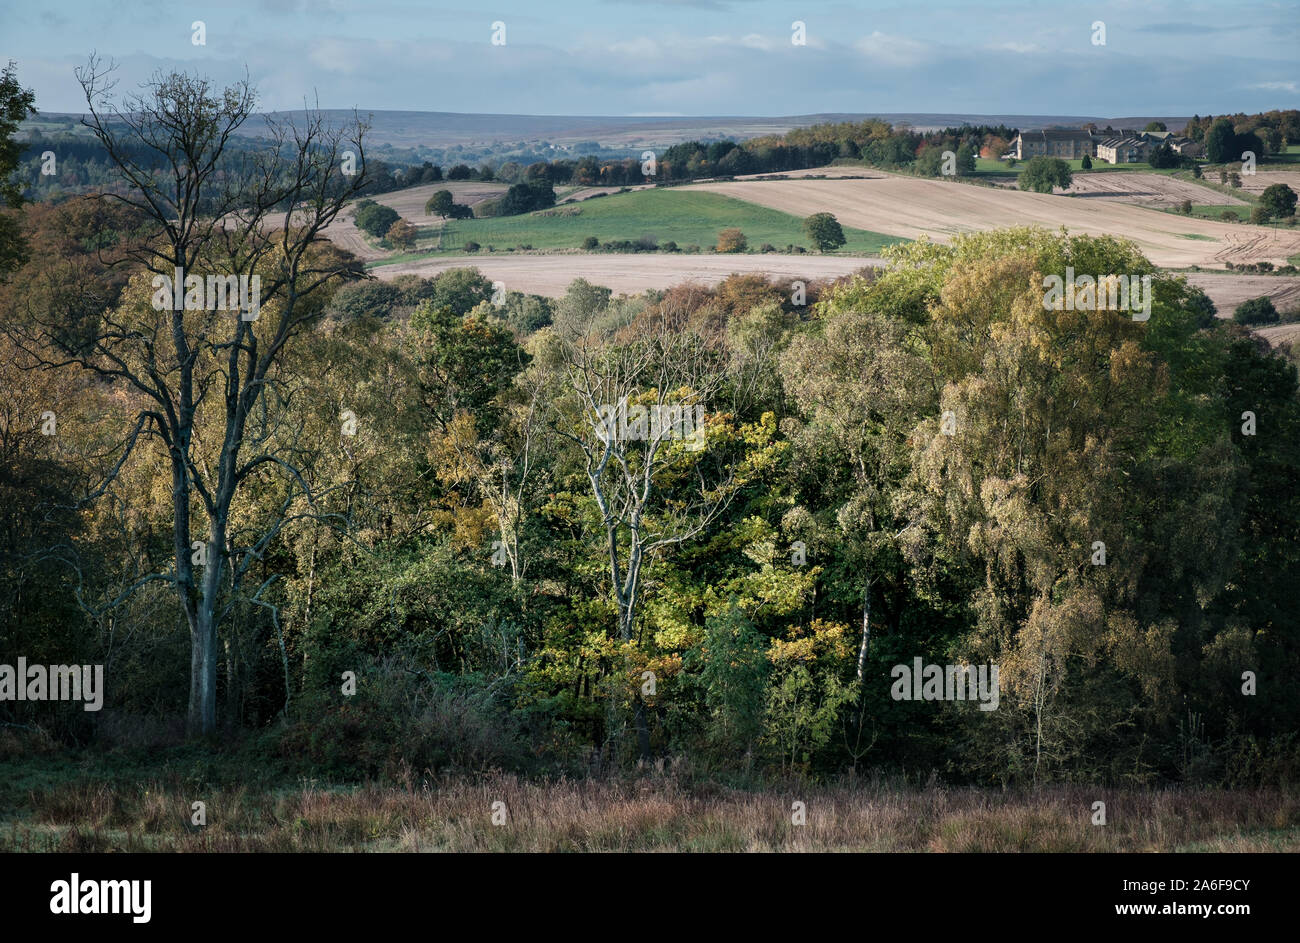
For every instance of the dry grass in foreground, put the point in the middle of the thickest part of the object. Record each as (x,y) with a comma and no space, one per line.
(649,815)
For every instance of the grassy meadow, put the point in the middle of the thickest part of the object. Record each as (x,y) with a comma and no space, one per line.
(678,215)
(117,803)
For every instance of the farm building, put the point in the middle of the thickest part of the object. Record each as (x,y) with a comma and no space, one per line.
(1122,150)
(1177,142)
(1186,146)
(1114,145)
(1068,144)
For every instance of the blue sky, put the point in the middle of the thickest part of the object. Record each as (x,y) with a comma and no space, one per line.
(685,57)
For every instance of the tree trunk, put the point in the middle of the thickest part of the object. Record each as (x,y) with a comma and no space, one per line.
(642,730)
(203,672)
(204,650)
(866,629)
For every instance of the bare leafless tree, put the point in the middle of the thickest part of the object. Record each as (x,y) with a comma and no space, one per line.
(656,484)
(207,379)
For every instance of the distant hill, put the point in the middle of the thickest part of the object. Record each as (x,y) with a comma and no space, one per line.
(445,129)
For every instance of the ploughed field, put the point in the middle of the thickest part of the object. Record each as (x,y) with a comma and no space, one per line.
(1259,181)
(1154,190)
(912,207)
(627,273)
(1228,291)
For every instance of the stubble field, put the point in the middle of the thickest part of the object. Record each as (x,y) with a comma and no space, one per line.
(911,207)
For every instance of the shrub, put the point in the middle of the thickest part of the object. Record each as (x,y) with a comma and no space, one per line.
(669,246)
(472,246)
(731,240)
(1258,214)
(622,245)
(590,243)
(767,247)
(401,234)
(1185,207)
(527,313)
(358,300)
(1041,174)
(459,289)
(436,722)
(733,670)
(1256,311)
(1086,163)
(1228,216)
(1199,303)
(1163,157)
(524,198)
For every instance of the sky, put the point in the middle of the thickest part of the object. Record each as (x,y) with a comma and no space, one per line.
(683,57)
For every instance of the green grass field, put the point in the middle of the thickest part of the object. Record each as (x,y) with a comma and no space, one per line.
(681,216)
(1289,156)
(1215,212)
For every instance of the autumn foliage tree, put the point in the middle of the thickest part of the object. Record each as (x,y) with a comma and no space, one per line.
(731,240)
(401,234)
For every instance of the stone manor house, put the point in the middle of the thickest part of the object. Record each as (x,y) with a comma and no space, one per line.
(1124,146)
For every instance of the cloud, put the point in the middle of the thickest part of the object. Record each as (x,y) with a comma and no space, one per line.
(334,55)
(1188,29)
(643,47)
(896,51)
(1021,48)
(697,4)
(1292,87)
